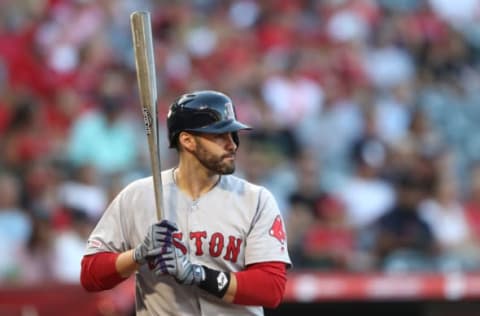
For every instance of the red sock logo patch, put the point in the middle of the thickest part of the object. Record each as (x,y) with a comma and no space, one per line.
(277,230)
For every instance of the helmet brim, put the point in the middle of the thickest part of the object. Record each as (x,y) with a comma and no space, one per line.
(221,127)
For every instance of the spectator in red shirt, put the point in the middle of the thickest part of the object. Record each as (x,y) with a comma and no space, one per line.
(330,242)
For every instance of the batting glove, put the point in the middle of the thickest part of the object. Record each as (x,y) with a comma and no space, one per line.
(175,263)
(158,239)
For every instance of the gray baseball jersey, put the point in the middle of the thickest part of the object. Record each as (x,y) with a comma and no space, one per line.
(231,226)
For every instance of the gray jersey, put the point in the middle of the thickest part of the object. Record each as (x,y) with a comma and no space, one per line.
(233,225)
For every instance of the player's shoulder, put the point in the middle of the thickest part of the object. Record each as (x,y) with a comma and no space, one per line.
(146,183)
(236,183)
(137,185)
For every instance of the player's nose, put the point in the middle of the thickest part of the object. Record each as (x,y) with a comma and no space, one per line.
(231,145)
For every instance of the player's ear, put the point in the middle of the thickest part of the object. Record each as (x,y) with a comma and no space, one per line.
(186,141)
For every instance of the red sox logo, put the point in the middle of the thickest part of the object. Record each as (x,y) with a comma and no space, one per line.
(217,244)
(277,230)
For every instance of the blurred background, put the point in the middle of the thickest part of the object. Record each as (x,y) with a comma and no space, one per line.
(366,129)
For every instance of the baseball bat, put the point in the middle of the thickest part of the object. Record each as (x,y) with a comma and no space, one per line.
(147,87)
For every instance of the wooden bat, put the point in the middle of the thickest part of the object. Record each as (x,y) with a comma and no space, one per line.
(147,86)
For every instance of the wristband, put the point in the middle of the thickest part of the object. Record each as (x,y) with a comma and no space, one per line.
(215,282)
(134,256)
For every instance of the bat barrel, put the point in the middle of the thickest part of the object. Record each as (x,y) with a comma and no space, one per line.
(140,23)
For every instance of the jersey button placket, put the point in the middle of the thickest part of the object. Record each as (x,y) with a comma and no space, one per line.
(193,216)
(194,206)
(193,227)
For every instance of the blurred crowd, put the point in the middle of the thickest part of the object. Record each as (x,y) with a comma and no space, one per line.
(365,117)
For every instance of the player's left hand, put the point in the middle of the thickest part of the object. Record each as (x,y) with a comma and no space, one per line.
(177,264)
(158,238)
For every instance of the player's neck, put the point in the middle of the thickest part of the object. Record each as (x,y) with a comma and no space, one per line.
(194,180)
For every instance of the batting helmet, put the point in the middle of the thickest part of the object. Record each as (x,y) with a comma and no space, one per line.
(202,111)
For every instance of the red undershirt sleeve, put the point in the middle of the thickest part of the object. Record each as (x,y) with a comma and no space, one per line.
(261,284)
(99,273)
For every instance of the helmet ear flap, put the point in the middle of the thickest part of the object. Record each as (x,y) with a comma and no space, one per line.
(174,140)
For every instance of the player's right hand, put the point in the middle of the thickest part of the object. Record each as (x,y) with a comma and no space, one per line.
(156,241)
(177,264)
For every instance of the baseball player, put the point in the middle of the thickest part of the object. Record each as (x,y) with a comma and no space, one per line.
(221,248)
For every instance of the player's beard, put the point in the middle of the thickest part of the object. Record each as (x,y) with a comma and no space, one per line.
(212,162)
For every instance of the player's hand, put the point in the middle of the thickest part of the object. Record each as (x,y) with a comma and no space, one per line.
(158,239)
(177,264)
